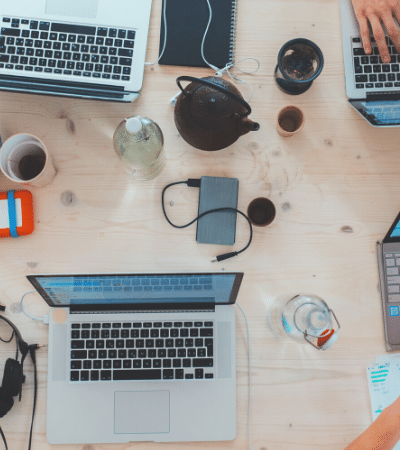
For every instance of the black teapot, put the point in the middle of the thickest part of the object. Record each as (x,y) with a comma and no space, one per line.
(211,114)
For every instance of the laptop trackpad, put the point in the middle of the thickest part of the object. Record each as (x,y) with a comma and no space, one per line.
(86,9)
(141,412)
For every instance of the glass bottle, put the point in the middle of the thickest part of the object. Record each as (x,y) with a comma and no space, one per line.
(138,143)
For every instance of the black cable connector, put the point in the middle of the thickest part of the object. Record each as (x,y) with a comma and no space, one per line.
(196,182)
(224,256)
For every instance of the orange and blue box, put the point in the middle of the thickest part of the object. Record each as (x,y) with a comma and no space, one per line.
(16,213)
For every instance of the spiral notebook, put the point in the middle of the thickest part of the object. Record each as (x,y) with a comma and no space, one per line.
(186,24)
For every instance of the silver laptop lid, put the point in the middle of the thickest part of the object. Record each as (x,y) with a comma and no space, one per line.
(100,34)
(138,292)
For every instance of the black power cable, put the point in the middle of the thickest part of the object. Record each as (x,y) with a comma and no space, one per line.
(192,182)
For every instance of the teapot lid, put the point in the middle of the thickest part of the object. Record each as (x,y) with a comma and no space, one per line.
(217,87)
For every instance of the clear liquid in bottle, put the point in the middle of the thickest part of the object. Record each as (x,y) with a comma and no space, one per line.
(138,143)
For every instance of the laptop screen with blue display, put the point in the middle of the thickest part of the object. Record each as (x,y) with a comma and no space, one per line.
(144,289)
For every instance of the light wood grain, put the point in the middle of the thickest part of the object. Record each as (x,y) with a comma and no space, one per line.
(335,187)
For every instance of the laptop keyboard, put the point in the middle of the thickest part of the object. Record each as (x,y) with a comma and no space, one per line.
(141,351)
(65,49)
(370,71)
(392,265)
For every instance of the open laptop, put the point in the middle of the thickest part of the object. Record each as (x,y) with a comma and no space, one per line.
(80,48)
(388,251)
(141,357)
(373,88)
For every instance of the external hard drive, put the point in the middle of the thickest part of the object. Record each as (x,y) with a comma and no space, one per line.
(219,227)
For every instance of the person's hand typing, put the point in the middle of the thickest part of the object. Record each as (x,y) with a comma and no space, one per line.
(376,12)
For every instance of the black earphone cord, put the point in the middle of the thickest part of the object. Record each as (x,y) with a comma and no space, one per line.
(24,348)
(220,257)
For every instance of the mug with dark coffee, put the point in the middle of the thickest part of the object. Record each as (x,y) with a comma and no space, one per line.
(261,212)
(24,159)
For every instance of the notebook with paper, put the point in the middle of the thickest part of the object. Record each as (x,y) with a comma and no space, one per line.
(80,48)
(141,357)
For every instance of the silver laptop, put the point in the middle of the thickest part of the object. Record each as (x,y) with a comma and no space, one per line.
(80,48)
(373,88)
(388,251)
(141,357)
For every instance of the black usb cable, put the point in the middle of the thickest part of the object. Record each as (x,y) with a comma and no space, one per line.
(195,182)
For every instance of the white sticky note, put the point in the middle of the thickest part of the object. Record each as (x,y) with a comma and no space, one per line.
(4,223)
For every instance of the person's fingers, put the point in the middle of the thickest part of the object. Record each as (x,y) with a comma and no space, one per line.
(396,14)
(364,30)
(393,31)
(379,38)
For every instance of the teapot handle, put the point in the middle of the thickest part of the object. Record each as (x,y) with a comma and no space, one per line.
(218,88)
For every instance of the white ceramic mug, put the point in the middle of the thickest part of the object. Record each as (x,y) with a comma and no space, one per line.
(24,159)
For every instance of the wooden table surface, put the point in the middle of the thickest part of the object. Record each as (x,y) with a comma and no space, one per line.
(335,187)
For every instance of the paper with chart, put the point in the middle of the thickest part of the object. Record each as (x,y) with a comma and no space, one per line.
(384,383)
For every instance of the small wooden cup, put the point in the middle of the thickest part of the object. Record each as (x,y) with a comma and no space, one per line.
(290,121)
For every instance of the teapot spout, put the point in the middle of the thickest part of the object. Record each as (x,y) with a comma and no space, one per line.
(248,125)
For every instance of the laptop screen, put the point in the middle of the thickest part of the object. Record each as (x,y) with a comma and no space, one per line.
(145,290)
(379,112)
(393,235)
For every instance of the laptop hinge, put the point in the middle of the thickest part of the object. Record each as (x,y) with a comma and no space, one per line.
(109,309)
(376,96)
(43,86)
(145,311)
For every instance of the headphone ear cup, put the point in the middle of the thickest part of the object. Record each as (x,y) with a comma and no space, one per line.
(12,378)
(6,402)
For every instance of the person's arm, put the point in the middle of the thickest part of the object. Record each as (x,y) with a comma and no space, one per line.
(376,12)
(382,434)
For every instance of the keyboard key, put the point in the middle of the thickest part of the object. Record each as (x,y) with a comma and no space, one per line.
(359,79)
(128,44)
(84,375)
(10,32)
(201,352)
(77,344)
(202,362)
(94,375)
(76,364)
(87,364)
(105,375)
(198,373)
(144,374)
(206,332)
(74,376)
(393,289)
(168,374)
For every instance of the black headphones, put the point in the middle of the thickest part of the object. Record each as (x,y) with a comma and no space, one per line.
(13,376)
